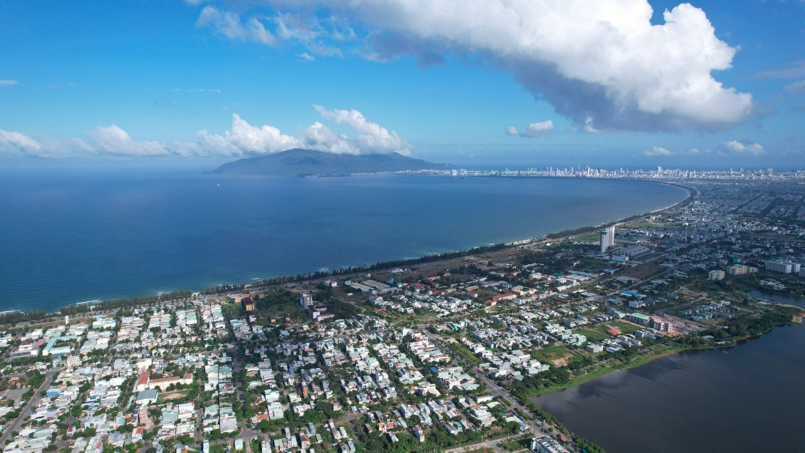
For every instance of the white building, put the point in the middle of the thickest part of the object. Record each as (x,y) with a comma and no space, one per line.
(305,300)
(607,239)
(783,267)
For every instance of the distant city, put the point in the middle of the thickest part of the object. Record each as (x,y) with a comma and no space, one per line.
(658,174)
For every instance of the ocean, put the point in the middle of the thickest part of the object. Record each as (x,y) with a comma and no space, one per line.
(76,235)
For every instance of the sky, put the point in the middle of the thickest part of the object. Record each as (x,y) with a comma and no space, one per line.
(477,83)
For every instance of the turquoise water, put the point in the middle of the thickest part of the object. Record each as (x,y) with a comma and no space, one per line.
(76,235)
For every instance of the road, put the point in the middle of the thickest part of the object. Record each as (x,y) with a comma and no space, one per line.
(493,388)
(26,410)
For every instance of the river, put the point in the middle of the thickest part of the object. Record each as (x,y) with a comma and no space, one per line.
(749,398)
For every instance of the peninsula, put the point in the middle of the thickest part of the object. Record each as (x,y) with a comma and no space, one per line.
(305,162)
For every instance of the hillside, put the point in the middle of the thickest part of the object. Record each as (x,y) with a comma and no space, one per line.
(304,162)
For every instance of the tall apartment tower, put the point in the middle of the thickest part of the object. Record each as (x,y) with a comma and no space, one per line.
(305,300)
(607,239)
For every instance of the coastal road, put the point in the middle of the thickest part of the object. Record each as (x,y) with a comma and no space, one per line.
(26,410)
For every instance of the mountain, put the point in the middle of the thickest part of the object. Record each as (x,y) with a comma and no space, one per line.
(305,162)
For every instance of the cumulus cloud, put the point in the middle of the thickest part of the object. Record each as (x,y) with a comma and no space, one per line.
(5,83)
(658,151)
(17,140)
(372,138)
(744,147)
(538,129)
(242,139)
(319,137)
(114,140)
(596,60)
(18,143)
(796,87)
(258,140)
(229,25)
(511,130)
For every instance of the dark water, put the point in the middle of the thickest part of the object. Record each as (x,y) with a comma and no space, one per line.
(749,400)
(79,235)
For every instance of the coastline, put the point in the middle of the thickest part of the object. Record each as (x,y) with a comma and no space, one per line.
(346,270)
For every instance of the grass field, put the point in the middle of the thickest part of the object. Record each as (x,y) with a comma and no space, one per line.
(168,396)
(590,238)
(466,353)
(625,327)
(551,353)
(592,335)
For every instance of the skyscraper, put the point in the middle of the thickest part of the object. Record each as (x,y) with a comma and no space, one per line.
(607,239)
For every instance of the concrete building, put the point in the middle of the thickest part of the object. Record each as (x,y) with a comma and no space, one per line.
(547,444)
(607,239)
(305,300)
(740,269)
(783,267)
(716,275)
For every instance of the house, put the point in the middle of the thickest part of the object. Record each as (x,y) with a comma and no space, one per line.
(504,296)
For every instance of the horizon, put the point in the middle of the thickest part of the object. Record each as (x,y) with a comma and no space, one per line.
(709,86)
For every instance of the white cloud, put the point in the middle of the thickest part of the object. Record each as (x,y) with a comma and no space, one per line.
(259,140)
(319,137)
(598,59)
(796,87)
(511,130)
(658,151)
(114,140)
(18,143)
(242,139)
(229,25)
(5,83)
(372,138)
(588,126)
(195,2)
(9,140)
(744,147)
(306,56)
(538,129)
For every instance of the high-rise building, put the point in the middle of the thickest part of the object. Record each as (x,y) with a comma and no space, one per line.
(783,267)
(607,239)
(305,300)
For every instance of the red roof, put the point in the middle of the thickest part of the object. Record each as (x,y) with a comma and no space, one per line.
(167,379)
(143,379)
(613,332)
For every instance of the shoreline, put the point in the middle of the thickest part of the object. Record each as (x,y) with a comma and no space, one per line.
(428,258)
(641,361)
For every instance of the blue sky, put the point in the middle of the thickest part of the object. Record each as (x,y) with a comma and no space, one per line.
(163,71)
